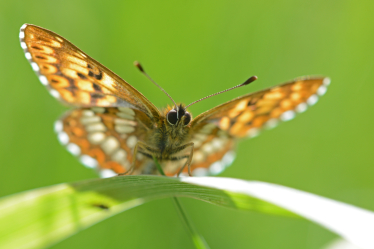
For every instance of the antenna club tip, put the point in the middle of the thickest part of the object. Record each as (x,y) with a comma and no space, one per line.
(250,80)
(137,64)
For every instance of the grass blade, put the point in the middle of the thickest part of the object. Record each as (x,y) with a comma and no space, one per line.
(41,217)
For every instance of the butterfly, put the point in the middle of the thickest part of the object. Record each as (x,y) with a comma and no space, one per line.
(115,129)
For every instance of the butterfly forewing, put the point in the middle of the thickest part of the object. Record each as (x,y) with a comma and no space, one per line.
(215,131)
(104,138)
(73,77)
(247,115)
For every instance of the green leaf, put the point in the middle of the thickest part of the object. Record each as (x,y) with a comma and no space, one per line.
(41,217)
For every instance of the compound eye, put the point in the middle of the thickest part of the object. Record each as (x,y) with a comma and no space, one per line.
(172,117)
(187,118)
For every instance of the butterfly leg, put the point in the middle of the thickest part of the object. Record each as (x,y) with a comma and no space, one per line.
(142,146)
(189,158)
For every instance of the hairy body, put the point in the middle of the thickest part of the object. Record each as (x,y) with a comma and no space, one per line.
(166,141)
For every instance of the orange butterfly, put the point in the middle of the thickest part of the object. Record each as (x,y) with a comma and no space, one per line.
(116,130)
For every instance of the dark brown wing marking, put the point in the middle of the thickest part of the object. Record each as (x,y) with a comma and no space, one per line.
(73,77)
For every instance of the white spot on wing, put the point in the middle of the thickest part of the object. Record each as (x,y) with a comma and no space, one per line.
(326,81)
(312,99)
(23,26)
(288,115)
(23,45)
(125,115)
(120,121)
(35,66)
(82,54)
(198,157)
(120,156)
(271,123)
(59,39)
(106,173)
(131,141)
(216,168)
(110,144)
(73,149)
(58,126)
(217,143)
(124,128)
(207,148)
(96,137)
(127,110)
(90,119)
(228,158)
(43,80)
(54,93)
(88,161)
(63,138)
(254,132)
(21,35)
(88,113)
(321,90)
(28,56)
(200,172)
(95,127)
(301,107)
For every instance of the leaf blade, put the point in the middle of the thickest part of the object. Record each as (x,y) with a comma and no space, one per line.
(41,217)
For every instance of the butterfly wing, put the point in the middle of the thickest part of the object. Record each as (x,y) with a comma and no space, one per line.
(248,114)
(73,77)
(104,138)
(216,130)
(213,150)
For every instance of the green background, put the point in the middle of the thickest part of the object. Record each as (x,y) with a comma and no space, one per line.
(192,49)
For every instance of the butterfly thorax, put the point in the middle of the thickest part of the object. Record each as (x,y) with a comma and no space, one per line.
(167,137)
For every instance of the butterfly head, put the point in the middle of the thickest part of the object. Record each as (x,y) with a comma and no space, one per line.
(178,116)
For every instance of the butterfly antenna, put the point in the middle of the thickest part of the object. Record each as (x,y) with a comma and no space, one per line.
(137,64)
(250,80)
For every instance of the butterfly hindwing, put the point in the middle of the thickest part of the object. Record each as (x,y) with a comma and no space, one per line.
(213,150)
(74,78)
(104,138)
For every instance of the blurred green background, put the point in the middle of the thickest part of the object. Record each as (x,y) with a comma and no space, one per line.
(192,49)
